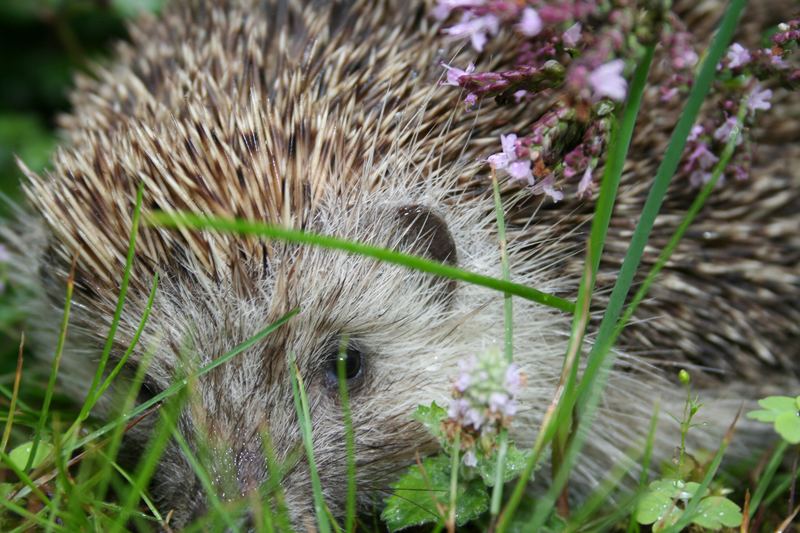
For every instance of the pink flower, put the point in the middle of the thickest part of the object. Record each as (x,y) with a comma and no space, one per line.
(521,170)
(759,99)
(697,130)
(702,156)
(5,257)
(507,160)
(585,185)
(470,459)
(737,56)
(478,29)
(502,403)
(513,381)
(530,24)
(571,37)
(454,73)
(607,81)
(550,190)
(445,7)
(724,131)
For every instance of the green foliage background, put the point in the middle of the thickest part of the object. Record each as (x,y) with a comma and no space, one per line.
(43,45)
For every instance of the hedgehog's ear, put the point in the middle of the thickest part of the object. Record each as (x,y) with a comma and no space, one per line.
(423,232)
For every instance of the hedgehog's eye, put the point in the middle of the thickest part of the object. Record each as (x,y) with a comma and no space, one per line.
(353,360)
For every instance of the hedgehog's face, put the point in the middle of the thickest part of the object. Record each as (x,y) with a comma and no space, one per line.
(393,327)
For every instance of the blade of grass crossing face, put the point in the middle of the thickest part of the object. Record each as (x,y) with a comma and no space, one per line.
(350,444)
(134,341)
(274,488)
(205,481)
(244,227)
(51,383)
(620,138)
(92,396)
(170,412)
(304,418)
(599,361)
(173,389)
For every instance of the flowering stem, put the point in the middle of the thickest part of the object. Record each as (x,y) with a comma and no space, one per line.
(451,520)
(497,490)
(618,148)
(508,304)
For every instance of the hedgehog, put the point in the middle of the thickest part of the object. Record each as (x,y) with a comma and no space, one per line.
(327,117)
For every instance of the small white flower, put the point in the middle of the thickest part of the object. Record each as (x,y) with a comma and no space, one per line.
(759,99)
(572,35)
(470,459)
(531,23)
(607,81)
(737,56)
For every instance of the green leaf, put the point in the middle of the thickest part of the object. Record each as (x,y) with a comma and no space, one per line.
(515,464)
(414,497)
(19,455)
(788,426)
(763,416)
(778,403)
(714,512)
(431,417)
(653,506)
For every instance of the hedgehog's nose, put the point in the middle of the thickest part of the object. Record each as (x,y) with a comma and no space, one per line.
(250,468)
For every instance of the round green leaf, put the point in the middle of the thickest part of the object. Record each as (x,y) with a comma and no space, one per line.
(715,512)
(788,426)
(778,403)
(19,455)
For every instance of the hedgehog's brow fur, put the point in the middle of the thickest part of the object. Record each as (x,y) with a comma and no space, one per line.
(327,117)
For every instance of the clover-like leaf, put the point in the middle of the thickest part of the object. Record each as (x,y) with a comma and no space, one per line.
(716,512)
(784,412)
(515,464)
(431,417)
(787,425)
(19,455)
(416,494)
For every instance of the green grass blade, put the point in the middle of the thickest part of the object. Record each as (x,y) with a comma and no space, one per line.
(350,443)
(691,214)
(268,231)
(205,480)
(12,407)
(92,395)
(304,418)
(508,344)
(170,412)
(51,383)
(766,476)
(620,141)
(600,358)
(633,525)
(134,341)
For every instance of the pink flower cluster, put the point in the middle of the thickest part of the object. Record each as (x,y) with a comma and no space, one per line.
(484,399)
(580,51)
